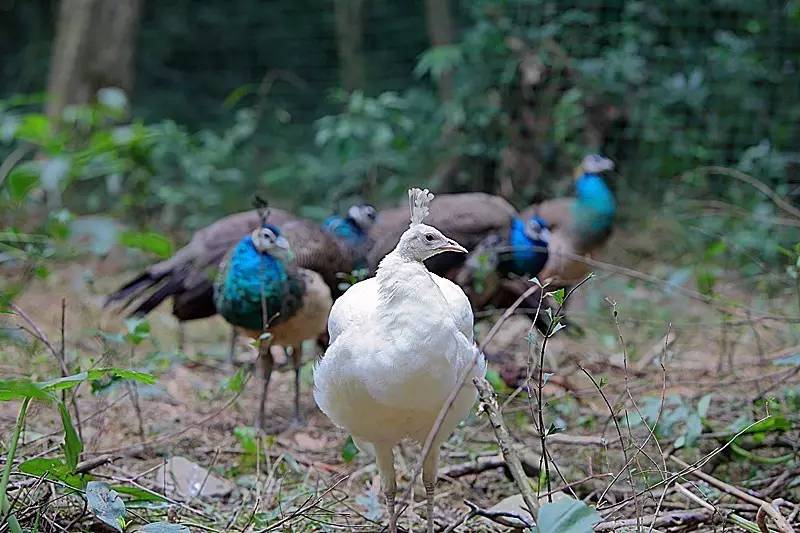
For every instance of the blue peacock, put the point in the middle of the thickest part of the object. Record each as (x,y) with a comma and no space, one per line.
(260,288)
(578,225)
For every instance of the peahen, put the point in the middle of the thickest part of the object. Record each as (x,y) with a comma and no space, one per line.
(399,344)
(578,225)
(502,243)
(338,246)
(260,288)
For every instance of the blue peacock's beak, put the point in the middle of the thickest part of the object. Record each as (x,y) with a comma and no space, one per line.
(281,242)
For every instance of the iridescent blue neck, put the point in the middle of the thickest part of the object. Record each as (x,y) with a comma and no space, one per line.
(247,275)
(595,207)
(345,228)
(528,255)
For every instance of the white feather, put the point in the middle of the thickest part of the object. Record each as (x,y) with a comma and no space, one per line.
(390,367)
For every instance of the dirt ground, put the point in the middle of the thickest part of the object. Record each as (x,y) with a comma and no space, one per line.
(735,357)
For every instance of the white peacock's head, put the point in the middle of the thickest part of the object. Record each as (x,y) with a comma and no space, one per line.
(420,242)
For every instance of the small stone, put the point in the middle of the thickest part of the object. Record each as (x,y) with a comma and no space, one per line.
(188,480)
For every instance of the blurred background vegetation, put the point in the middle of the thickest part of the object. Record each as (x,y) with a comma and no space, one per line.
(167,115)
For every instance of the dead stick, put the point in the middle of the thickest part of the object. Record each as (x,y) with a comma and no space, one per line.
(677,518)
(780,521)
(492,410)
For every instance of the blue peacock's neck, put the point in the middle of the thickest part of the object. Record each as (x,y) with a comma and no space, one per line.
(527,255)
(247,275)
(595,207)
(345,229)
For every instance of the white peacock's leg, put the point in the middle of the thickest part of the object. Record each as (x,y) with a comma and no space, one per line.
(265,357)
(384,455)
(297,358)
(430,469)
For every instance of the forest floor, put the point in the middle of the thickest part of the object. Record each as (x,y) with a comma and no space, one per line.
(699,374)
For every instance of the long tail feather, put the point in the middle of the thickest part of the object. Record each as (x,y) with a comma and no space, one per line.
(133,289)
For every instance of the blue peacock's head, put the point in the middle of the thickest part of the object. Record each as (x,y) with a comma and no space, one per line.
(363,215)
(268,239)
(595,164)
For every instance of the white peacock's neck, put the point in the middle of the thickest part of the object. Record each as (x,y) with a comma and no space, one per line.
(402,279)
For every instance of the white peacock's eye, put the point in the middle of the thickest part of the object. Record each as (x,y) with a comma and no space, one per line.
(429,237)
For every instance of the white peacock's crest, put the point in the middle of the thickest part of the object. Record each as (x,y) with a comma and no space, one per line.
(418,201)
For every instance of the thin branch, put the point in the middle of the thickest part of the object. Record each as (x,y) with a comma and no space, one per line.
(489,406)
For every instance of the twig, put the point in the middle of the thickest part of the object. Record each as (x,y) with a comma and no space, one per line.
(551,330)
(13,158)
(482,464)
(489,406)
(90,464)
(657,349)
(753,182)
(764,507)
(619,434)
(303,508)
(662,520)
(747,525)
(501,517)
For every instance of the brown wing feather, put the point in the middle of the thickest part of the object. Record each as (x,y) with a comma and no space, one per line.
(187,276)
(317,250)
(468,218)
(556,212)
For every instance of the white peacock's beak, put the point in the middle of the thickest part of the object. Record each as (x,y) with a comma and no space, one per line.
(453,246)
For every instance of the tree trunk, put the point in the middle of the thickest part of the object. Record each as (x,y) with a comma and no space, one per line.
(439,20)
(349,15)
(94,48)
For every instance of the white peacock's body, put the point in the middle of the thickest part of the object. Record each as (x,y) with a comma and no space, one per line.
(399,344)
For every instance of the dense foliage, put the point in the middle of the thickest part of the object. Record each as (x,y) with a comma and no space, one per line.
(661,89)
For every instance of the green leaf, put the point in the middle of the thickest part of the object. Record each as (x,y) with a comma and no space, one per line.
(438,60)
(493,377)
(22,180)
(53,468)
(74,380)
(247,437)
(773,423)
(558,296)
(72,445)
(706,280)
(35,128)
(349,450)
(236,382)
(18,389)
(164,527)
(566,516)
(147,241)
(138,330)
(138,494)
(106,504)
(703,405)
(694,428)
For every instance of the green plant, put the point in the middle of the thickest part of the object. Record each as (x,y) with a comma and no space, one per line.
(62,468)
